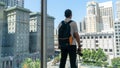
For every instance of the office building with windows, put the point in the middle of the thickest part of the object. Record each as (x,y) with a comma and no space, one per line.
(92,18)
(99,16)
(117,38)
(106,14)
(11,3)
(94,41)
(35,33)
(17,38)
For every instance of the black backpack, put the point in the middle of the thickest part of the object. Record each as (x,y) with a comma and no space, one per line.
(64,33)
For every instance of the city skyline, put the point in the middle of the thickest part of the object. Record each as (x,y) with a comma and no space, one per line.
(79,9)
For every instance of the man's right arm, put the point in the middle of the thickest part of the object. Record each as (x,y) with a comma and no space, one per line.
(77,37)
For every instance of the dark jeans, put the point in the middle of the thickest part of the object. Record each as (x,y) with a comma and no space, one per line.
(71,50)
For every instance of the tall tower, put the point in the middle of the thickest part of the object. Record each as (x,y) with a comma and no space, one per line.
(11,3)
(92,18)
(106,13)
(18,35)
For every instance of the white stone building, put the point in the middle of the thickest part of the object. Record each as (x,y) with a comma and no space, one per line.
(117,38)
(99,16)
(98,40)
(106,13)
(92,18)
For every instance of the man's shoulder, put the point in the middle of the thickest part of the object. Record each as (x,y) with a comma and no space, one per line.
(73,22)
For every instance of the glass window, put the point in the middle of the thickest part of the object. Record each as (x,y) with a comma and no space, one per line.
(96,45)
(91,37)
(117,53)
(100,36)
(106,50)
(110,50)
(84,37)
(105,36)
(117,50)
(88,37)
(109,36)
(96,41)
(96,37)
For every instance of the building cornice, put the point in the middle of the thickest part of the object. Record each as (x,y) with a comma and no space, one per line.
(17,8)
(39,14)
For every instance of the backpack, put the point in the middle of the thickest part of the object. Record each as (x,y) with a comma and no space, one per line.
(64,34)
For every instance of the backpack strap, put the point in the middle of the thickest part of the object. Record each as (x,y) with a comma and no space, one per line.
(63,22)
(70,21)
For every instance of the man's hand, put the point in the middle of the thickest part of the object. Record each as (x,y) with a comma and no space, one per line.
(79,51)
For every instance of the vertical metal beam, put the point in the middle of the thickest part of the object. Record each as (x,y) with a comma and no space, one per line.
(43,33)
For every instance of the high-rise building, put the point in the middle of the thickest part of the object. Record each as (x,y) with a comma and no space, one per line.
(99,16)
(83,26)
(11,3)
(1,28)
(106,13)
(117,38)
(118,9)
(92,18)
(35,33)
(17,44)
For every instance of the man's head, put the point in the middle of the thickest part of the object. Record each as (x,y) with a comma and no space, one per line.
(68,13)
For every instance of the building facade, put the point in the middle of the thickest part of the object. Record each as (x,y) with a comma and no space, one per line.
(35,33)
(11,3)
(118,9)
(99,16)
(83,26)
(1,28)
(94,41)
(92,18)
(117,38)
(17,38)
(106,13)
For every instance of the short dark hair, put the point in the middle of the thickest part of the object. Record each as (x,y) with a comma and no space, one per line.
(68,13)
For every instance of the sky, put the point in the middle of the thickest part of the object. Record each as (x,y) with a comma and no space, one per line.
(56,8)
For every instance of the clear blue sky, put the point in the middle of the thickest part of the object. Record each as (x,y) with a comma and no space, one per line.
(56,8)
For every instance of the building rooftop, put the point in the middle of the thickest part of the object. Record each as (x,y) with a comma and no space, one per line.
(18,8)
(38,13)
(106,4)
(97,33)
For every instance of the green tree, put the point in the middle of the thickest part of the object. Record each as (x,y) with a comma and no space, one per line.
(116,62)
(92,57)
(29,63)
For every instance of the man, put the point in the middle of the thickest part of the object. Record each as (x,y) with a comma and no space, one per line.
(71,48)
